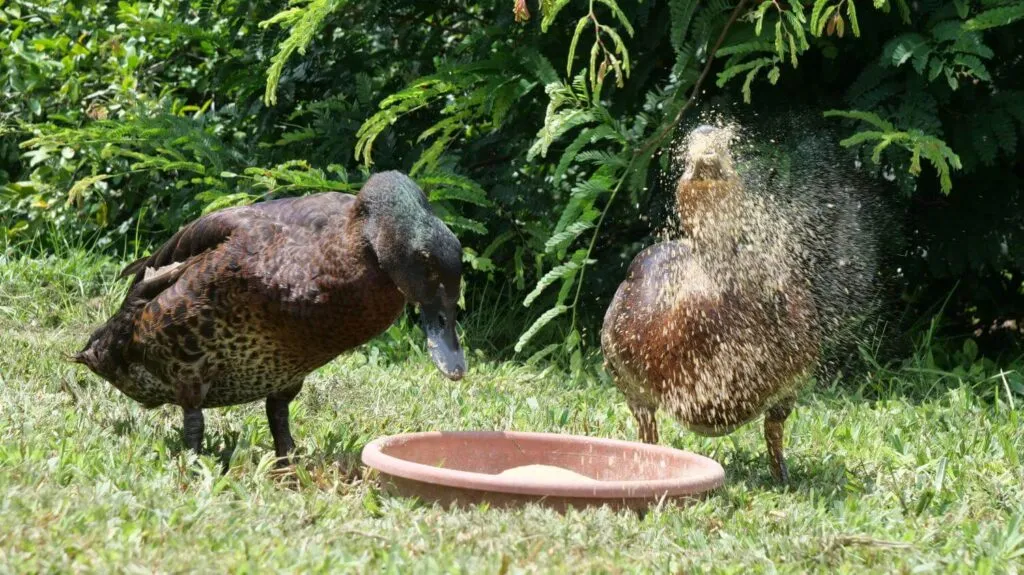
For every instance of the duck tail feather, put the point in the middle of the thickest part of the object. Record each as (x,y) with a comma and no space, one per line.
(85,357)
(155,281)
(134,267)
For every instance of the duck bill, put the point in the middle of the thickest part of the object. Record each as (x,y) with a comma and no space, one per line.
(707,167)
(443,344)
(706,154)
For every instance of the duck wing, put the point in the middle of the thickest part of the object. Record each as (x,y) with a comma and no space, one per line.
(202,235)
(305,214)
(107,351)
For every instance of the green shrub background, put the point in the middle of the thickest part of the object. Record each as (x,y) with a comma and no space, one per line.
(544,146)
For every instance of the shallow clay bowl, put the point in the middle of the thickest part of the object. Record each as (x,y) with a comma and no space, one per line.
(462,468)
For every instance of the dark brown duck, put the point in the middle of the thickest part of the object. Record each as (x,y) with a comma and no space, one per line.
(718,328)
(242,304)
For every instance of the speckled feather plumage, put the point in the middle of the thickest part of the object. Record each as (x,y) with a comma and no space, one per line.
(714,359)
(263,295)
(242,304)
(721,327)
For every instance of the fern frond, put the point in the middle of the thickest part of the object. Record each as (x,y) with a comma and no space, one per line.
(594,186)
(619,14)
(303,24)
(556,273)
(917,142)
(580,26)
(485,89)
(947,30)
(463,223)
(214,201)
(550,9)
(538,64)
(442,187)
(297,176)
(159,142)
(817,19)
(556,123)
(562,239)
(681,12)
(586,136)
(444,132)
(851,13)
(603,158)
(868,117)
(539,324)
(81,186)
(897,51)
(972,43)
(996,17)
(620,46)
(729,73)
(871,78)
(745,48)
(972,66)
(583,197)
(638,172)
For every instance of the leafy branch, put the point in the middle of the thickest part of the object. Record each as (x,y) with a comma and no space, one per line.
(303,24)
(616,59)
(915,141)
(828,19)
(789,38)
(658,140)
(487,93)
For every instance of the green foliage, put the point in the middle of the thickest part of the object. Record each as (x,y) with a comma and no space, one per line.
(788,41)
(486,95)
(1003,15)
(303,24)
(142,118)
(119,124)
(916,142)
(682,13)
(616,58)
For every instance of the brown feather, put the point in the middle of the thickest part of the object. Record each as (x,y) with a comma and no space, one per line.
(245,302)
(710,332)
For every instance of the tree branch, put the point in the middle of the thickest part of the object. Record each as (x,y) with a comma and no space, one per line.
(656,140)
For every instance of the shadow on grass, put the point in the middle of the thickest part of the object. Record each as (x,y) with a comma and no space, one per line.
(924,370)
(124,426)
(342,450)
(830,479)
(221,444)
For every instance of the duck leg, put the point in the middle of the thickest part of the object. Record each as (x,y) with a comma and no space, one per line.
(193,428)
(277,417)
(774,422)
(646,422)
(642,405)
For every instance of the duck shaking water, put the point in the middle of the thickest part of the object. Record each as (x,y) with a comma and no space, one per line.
(721,327)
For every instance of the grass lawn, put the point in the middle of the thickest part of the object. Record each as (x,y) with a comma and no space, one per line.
(900,482)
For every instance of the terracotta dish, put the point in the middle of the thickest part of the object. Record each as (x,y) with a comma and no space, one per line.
(505,468)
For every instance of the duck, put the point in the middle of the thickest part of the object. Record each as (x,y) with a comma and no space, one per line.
(720,327)
(242,304)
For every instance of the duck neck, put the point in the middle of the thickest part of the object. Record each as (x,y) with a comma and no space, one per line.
(349,261)
(711,214)
(398,241)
